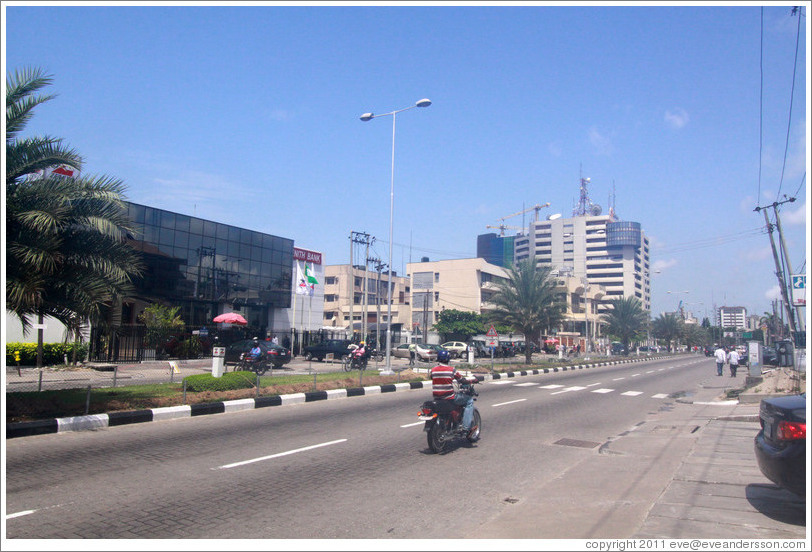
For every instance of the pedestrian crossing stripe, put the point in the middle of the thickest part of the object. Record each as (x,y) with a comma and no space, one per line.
(603,390)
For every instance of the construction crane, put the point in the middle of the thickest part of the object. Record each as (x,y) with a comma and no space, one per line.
(536,208)
(502,228)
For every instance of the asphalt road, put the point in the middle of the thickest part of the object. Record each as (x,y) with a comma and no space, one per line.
(355,468)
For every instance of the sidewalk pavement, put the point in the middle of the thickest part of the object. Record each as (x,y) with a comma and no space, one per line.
(687,472)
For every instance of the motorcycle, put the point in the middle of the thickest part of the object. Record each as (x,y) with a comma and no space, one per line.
(251,364)
(356,360)
(444,421)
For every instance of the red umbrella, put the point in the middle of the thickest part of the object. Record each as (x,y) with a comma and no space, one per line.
(551,340)
(230,318)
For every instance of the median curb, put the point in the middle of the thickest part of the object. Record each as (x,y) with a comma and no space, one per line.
(101,421)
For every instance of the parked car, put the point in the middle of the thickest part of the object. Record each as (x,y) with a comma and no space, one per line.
(481,349)
(455,348)
(277,355)
(422,352)
(339,348)
(780,446)
(769,356)
(709,351)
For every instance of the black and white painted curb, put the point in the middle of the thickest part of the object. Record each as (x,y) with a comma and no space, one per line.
(100,421)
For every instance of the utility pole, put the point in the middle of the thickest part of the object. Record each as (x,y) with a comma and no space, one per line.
(782,284)
(361,238)
(378,267)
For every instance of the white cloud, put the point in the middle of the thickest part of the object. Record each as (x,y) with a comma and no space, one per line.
(602,143)
(796,217)
(677,118)
(659,266)
(773,293)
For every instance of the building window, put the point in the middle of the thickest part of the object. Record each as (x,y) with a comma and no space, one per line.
(330,280)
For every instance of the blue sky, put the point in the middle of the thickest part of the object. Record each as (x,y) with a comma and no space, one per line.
(249,115)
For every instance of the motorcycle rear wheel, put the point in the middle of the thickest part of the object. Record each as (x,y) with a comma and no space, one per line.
(261,368)
(435,439)
(477,423)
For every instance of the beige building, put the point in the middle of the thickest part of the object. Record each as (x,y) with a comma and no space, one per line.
(461,284)
(467,285)
(341,282)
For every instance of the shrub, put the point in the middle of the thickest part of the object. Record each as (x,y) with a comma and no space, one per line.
(52,353)
(226,382)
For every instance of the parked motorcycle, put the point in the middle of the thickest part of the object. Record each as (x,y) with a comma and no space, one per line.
(251,364)
(444,421)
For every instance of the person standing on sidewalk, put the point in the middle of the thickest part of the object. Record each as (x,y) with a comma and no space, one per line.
(721,358)
(733,359)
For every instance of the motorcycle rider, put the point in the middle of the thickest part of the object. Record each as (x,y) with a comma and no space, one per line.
(442,378)
(255,353)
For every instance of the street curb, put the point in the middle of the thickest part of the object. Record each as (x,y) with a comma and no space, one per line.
(101,421)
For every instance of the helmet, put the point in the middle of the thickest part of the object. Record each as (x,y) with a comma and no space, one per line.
(256,339)
(443,356)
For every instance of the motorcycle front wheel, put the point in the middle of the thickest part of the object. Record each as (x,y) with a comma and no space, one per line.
(477,423)
(435,439)
(347,364)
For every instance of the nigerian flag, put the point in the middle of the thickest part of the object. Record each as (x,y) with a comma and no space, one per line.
(311,280)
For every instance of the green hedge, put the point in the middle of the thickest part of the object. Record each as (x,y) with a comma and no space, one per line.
(52,353)
(226,382)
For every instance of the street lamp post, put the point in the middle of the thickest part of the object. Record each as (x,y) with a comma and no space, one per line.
(425,102)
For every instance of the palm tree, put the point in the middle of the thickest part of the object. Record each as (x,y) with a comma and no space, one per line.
(527,301)
(65,253)
(667,327)
(626,320)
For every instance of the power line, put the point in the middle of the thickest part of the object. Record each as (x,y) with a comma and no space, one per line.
(791,96)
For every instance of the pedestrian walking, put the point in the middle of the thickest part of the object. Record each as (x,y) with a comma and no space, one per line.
(721,358)
(733,359)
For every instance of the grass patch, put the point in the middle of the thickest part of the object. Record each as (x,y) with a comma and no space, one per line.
(33,405)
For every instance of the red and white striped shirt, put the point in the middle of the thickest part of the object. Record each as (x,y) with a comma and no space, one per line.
(442,378)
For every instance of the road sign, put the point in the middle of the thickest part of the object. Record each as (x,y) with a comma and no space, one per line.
(492,332)
(493,337)
(798,290)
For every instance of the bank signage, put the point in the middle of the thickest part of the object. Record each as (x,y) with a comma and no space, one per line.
(306,256)
(799,290)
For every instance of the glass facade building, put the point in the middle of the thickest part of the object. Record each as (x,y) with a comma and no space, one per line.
(206,267)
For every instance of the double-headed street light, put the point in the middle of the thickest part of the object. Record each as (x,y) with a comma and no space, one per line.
(425,102)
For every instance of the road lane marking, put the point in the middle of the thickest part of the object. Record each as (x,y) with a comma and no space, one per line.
(593,384)
(603,390)
(509,402)
(525,384)
(650,372)
(501,382)
(635,375)
(551,386)
(659,396)
(272,456)
(414,424)
(632,393)
(568,389)
(618,379)
(20,514)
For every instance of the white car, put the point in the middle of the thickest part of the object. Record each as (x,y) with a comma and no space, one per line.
(456,348)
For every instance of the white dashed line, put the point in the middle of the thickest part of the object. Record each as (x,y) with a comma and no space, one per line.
(659,396)
(20,514)
(568,389)
(414,424)
(618,379)
(551,386)
(632,393)
(243,463)
(509,402)
(635,375)
(501,382)
(603,390)
(525,384)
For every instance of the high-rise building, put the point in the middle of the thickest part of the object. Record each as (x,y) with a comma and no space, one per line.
(496,250)
(599,248)
(732,317)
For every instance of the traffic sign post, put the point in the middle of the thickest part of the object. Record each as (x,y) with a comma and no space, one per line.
(493,341)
